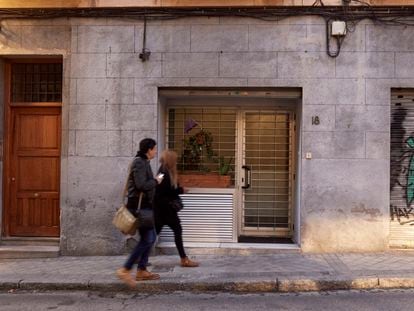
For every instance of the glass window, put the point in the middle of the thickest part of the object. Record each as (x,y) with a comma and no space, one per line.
(204,139)
(36,82)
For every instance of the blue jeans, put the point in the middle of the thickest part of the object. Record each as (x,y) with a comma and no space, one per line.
(142,249)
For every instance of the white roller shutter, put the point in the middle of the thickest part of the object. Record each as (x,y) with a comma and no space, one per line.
(206,217)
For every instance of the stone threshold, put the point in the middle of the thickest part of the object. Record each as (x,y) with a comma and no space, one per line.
(29,247)
(197,248)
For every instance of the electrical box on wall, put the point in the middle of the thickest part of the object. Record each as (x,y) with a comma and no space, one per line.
(338,28)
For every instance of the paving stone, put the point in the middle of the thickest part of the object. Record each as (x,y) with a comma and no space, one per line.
(283,272)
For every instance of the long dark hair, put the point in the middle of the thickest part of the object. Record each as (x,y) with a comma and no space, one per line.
(145,145)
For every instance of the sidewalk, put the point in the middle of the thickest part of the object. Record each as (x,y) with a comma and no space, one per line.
(279,272)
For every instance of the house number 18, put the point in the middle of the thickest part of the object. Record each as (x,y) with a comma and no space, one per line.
(315,120)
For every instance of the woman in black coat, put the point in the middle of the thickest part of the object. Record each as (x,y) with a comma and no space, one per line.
(164,214)
(141,183)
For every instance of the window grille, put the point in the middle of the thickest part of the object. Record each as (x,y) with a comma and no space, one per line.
(189,132)
(36,82)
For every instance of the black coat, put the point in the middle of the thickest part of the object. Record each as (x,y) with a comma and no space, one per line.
(141,179)
(165,192)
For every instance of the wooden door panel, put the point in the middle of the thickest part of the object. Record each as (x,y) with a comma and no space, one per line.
(37,174)
(38,131)
(36,217)
(35,171)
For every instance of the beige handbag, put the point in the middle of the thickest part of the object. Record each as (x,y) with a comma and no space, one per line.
(124,220)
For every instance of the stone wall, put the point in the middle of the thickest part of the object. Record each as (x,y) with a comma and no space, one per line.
(110,103)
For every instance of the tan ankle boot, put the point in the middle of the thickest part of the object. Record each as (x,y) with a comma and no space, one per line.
(188,263)
(126,277)
(145,275)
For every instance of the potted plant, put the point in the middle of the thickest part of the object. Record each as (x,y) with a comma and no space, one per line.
(198,157)
(224,165)
(197,148)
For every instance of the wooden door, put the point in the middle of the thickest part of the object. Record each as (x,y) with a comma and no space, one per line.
(33,100)
(34,171)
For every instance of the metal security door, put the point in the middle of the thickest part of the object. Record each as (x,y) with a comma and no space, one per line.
(267,144)
(402,169)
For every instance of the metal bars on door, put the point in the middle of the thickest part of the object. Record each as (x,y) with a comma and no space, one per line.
(267,155)
(402,169)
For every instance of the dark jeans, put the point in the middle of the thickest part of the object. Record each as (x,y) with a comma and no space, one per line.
(175,226)
(143,248)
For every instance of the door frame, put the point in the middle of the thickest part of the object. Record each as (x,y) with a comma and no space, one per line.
(8,132)
(280,98)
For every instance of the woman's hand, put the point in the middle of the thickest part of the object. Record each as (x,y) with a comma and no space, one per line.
(159,178)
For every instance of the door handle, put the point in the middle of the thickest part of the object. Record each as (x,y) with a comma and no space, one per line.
(247,176)
(36,195)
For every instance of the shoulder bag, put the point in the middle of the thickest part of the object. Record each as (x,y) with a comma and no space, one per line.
(124,220)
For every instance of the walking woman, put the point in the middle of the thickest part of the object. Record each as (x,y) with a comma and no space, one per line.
(141,180)
(164,213)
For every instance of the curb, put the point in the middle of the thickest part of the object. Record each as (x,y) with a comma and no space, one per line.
(147,287)
(282,285)
(323,284)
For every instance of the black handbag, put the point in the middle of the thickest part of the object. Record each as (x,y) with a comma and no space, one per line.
(145,218)
(177,204)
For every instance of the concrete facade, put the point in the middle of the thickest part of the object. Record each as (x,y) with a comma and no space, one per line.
(111,102)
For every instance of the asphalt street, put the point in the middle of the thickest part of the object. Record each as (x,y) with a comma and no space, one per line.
(378,300)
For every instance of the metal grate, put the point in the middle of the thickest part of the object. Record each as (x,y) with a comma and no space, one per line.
(267,144)
(402,169)
(187,124)
(263,140)
(36,82)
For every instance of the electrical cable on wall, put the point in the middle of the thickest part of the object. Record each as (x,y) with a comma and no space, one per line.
(145,54)
(385,15)
(351,15)
(338,40)
(318,2)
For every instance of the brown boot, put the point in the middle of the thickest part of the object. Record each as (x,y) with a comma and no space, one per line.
(188,263)
(125,276)
(145,275)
